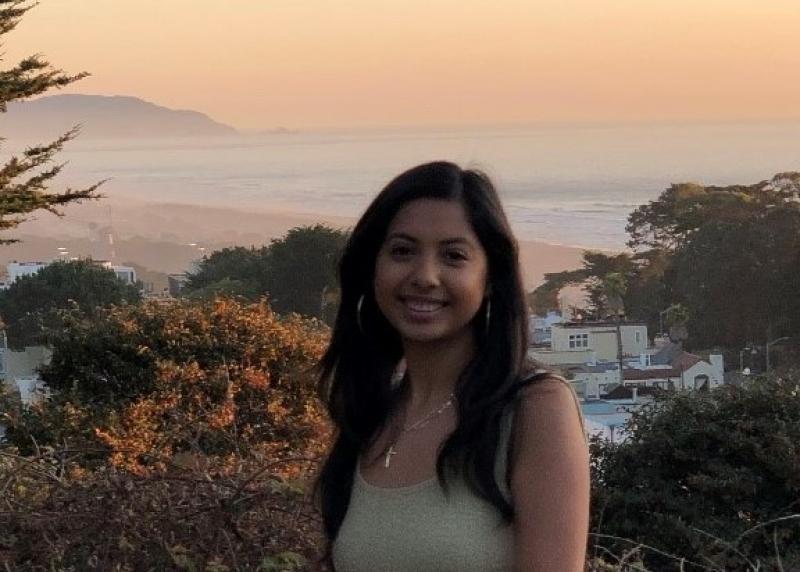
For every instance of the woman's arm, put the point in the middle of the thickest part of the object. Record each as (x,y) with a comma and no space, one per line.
(550,480)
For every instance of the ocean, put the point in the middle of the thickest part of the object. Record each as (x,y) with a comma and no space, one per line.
(572,185)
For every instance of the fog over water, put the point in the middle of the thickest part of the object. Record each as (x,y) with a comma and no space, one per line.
(561,184)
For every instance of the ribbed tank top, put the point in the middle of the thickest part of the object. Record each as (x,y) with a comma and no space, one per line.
(418,528)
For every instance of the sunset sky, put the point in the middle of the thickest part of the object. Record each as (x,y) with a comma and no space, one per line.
(359,63)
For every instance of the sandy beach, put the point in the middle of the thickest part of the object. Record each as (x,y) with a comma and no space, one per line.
(168,238)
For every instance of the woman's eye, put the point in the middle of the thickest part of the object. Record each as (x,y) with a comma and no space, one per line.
(455,256)
(400,250)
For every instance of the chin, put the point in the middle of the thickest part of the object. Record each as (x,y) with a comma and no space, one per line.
(417,334)
(423,335)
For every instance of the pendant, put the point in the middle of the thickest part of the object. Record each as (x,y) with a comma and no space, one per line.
(389,453)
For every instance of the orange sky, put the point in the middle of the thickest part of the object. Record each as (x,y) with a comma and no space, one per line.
(340,63)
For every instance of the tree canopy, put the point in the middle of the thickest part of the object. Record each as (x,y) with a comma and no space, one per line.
(24,179)
(301,268)
(297,272)
(235,271)
(709,476)
(729,255)
(29,307)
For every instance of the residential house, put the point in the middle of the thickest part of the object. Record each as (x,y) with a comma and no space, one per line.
(18,372)
(16,270)
(18,369)
(584,342)
(673,368)
(540,328)
(586,353)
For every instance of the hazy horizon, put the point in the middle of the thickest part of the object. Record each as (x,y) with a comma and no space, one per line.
(362,65)
(458,127)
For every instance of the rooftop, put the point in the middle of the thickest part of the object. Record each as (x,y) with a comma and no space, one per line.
(643,374)
(596,323)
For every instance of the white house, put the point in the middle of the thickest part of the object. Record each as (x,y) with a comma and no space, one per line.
(125,273)
(18,369)
(670,369)
(592,343)
(540,327)
(601,337)
(18,372)
(16,270)
(587,353)
(673,368)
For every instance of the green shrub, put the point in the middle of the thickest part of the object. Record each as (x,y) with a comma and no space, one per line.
(713,477)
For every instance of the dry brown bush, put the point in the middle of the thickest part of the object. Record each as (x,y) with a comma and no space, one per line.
(230,514)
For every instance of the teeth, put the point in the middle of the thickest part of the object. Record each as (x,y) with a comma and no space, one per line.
(424,306)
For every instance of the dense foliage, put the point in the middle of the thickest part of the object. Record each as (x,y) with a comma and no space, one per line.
(235,271)
(24,179)
(297,272)
(141,384)
(29,307)
(713,477)
(178,436)
(179,433)
(730,256)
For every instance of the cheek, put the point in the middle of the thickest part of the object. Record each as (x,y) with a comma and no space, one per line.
(385,280)
(483,281)
(473,291)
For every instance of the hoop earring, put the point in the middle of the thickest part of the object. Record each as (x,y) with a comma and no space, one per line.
(488,313)
(358,314)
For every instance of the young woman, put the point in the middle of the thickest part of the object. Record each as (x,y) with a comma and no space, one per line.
(452,451)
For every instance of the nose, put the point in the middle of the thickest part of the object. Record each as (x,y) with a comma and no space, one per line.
(425,273)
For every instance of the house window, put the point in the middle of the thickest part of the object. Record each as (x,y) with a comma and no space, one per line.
(577,341)
(638,337)
(701,382)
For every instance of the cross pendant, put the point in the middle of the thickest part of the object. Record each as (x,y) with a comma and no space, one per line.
(389,453)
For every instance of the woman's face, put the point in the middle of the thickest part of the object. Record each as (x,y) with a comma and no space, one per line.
(431,272)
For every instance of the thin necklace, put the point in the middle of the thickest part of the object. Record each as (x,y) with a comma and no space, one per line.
(424,421)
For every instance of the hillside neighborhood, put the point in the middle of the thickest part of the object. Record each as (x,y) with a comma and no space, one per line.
(586,352)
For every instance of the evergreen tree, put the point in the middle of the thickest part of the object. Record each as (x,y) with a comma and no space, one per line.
(30,306)
(297,272)
(730,256)
(235,271)
(302,269)
(24,179)
(734,257)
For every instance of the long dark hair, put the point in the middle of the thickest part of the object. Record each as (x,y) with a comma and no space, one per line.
(355,381)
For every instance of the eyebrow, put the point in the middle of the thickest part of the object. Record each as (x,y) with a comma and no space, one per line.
(447,241)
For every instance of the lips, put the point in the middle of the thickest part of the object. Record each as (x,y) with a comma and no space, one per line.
(422,307)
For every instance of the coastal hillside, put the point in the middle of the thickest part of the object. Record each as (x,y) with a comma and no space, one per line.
(105,117)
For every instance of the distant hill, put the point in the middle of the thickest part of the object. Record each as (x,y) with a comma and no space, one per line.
(104,117)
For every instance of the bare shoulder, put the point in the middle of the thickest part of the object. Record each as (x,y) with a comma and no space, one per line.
(548,418)
(547,394)
(550,478)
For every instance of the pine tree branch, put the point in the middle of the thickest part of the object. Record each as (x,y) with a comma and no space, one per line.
(24,179)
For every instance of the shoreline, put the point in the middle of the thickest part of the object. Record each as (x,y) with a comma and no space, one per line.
(169,237)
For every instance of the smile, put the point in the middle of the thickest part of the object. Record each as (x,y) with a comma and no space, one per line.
(422,305)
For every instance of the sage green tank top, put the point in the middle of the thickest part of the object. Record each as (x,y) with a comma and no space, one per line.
(418,528)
